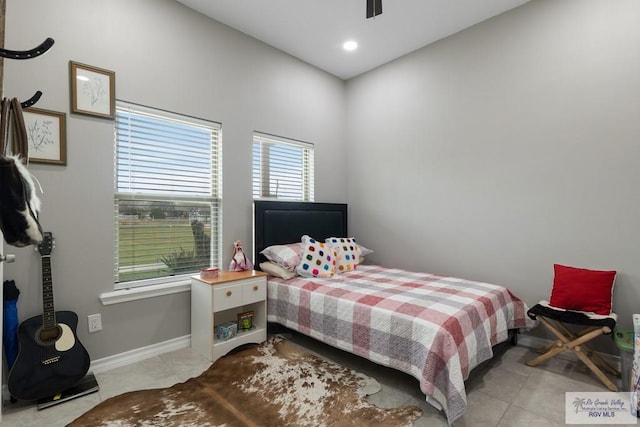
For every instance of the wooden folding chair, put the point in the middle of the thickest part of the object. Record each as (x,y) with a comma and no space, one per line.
(554,320)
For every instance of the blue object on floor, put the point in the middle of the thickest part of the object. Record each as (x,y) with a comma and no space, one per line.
(10,321)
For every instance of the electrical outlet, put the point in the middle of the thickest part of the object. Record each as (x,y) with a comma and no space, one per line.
(95,322)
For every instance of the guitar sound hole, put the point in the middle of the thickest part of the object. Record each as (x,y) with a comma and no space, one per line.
(50,335)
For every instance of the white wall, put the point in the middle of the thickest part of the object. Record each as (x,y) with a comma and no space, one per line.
(489,155)
(505,148)
(169,57)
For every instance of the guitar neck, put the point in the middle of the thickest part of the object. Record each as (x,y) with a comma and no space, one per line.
(48,310)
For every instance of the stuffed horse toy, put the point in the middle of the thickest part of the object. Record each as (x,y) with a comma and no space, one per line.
(239,262)
(19,204)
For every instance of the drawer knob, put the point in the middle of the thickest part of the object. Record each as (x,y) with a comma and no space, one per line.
(229,293)
(255,288)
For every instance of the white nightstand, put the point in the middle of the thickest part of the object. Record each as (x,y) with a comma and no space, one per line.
(220,300)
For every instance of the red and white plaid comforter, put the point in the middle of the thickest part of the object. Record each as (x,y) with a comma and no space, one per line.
(434,328)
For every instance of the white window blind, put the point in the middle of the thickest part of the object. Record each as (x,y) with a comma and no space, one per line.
(282,168)
(167,207)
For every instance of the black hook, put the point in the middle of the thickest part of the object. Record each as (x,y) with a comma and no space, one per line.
(29,102)
(28,54)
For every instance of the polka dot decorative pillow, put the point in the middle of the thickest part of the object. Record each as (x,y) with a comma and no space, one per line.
(347,253)
(318,259)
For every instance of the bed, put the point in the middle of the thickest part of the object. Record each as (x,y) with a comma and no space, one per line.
(435,328)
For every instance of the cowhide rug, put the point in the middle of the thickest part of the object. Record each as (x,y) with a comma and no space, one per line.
(273,384)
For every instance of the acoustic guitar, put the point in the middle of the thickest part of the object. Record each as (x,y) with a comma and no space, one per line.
(51,358)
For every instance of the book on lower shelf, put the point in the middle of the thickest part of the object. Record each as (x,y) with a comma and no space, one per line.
(245,320)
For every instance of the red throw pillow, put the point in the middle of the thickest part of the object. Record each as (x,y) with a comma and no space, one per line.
(581,289)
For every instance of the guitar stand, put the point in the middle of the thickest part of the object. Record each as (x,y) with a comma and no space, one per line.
(85,386)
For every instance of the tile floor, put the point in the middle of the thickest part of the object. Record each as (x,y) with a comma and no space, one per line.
(504,392)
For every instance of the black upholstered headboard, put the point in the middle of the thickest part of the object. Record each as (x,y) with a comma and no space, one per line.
(278,223)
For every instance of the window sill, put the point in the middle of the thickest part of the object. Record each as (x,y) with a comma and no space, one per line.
(144,292)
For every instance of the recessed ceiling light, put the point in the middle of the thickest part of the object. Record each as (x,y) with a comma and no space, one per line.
(350,45)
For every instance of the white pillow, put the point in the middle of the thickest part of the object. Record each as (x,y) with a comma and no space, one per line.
(364,251)
(273,269)
(286,256)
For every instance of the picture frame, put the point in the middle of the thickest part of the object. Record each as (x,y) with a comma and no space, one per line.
(93,90)
(47,136)
(245,320)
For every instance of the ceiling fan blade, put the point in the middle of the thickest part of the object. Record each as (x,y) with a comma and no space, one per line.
(374,8)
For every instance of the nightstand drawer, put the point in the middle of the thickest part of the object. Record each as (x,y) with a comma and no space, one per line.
(254,291)
(225,297)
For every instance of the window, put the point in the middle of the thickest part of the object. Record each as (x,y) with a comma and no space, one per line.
(167,195)
(282,168)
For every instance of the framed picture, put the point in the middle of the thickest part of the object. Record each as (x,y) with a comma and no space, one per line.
(93,90)
(47,136)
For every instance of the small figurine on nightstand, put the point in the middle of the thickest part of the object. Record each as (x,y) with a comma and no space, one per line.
(239,262)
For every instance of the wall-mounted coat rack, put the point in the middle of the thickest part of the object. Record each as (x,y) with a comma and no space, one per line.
(29,102)
(28,54)
(42,48)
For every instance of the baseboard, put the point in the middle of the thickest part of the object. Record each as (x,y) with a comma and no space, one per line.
(138,354)
(537,342)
